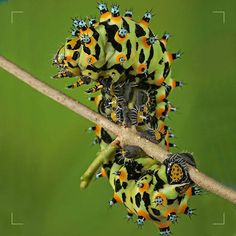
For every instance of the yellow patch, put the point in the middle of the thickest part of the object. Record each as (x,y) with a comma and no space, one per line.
(176,173)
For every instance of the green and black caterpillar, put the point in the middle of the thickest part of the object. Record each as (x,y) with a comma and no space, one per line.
(130,68)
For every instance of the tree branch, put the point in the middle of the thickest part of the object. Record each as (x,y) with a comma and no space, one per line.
(125,135)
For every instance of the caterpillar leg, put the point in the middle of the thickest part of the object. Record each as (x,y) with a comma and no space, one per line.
(80,82)
(63,74)
(95,88)
(101,174)
(196,190)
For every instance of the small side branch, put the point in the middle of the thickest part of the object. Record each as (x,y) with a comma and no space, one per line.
(126,136)
(104,156)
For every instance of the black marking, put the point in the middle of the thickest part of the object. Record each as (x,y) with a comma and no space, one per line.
(138,199)
(160,183)
(111,31)
(139,31)
(97,51)
(71,66)
(77,45)
(161,61)
(156,212)
(137,46)
(125,25)
(92,68)
(166,70)
(153,217)
(129,47)
(131,200)
(118,186)
(95,33)
(118,67)
(68,46)
(86,50)
(146,199)
(151,53)
(163,48)
(105,136)
(179,199)
(124,185)
(170,201)
(141,56)
(124,197)
(75,55)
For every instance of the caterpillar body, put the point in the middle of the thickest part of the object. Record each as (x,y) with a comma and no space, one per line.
(130,67)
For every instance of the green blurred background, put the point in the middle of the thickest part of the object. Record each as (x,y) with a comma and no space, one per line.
(45,148)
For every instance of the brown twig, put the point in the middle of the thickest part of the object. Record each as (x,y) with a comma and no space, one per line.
(126,136)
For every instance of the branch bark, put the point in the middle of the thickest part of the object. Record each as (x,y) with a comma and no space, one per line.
(125,135)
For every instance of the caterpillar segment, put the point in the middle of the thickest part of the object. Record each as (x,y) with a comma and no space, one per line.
(130,68)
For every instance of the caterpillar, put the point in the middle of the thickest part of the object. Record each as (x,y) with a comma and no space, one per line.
(130,67)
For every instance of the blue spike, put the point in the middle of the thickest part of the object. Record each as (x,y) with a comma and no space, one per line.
(140,221)
(115,11)
(165,231)
(102,7)
(122,32)
(85,38)
(172,217)
(128,13)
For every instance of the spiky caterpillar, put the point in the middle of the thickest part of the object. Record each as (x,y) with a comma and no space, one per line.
(130,66)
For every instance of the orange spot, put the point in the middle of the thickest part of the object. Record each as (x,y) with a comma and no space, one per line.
(163,197)
(161,97)
(90,59)
(116,19)
(144,41)
(122,175)
(120,39)
(161,128)
(98,130)
(143,214)
(182,208)
(169,210)
(144,188)
(141,68)
(117,198)
(68,58)
(169,57)
(189,192)
(121,57)
(159,112)
(144,23)
(87,31)
(164,42)
(160,81)
(105,16)
(163,224)
(103,172)
(91,43)
(73,42)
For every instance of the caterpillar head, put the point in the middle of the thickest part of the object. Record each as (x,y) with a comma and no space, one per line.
(66,60)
